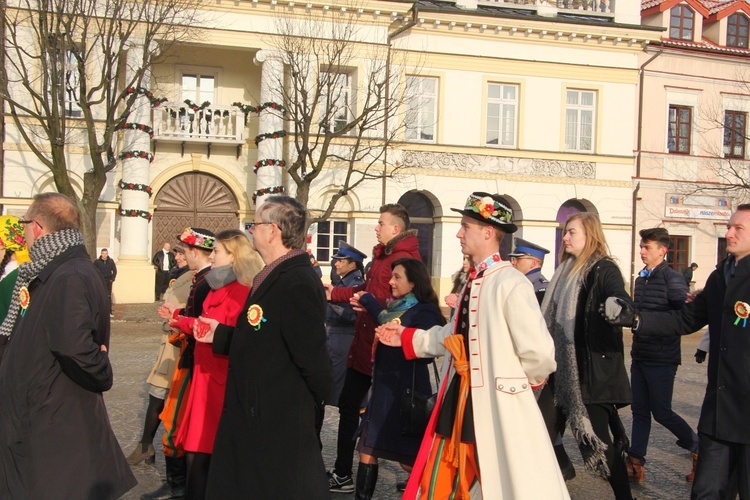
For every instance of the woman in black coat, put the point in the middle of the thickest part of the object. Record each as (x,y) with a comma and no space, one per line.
(413,304)
(591,382)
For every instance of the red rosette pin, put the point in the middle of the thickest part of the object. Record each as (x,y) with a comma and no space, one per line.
(255,316)
(24,297)
(742,310)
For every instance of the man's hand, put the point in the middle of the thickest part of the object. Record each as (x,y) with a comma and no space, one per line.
(390,334)
(617,312)
(700,356)
(354,302)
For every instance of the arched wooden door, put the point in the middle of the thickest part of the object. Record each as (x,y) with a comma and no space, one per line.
(194,199)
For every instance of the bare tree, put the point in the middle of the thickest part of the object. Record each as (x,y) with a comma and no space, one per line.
(343,95)
(65,78)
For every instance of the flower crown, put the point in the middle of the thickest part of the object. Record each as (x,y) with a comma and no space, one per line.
(12,234)
(488,208)
(190,237)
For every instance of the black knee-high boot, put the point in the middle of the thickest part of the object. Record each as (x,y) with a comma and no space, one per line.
(367,476)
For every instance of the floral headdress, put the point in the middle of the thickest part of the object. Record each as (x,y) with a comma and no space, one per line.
(199,238)
(12,236)
(486,208)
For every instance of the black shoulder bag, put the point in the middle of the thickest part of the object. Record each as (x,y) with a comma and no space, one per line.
(416,408)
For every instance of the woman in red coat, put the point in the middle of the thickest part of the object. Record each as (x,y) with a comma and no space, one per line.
(234,264)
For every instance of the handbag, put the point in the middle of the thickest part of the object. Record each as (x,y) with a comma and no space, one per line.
(416,408)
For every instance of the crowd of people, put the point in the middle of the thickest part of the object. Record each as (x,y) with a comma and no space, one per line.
(255,346)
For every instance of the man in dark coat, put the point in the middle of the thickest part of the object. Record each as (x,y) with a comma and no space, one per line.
(55,436)
(106,266)
(395,241)
(163,262)
(658,287)
(279,371)
(723,306)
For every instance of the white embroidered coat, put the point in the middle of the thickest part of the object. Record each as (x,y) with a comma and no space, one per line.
(510,350)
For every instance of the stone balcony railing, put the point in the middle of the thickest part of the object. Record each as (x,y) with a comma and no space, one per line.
(179,122)
(602,6)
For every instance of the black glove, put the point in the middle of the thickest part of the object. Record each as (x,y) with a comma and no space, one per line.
(700,356)
(618,312)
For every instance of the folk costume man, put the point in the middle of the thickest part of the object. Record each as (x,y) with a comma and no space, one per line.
(55,436)
(279,370)
(486,437)
(724,305)
(395,241)
(199,244)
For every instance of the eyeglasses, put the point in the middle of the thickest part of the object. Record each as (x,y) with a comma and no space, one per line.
(252,225)
(30,222)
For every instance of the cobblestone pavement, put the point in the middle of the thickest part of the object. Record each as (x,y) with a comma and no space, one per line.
(136,330)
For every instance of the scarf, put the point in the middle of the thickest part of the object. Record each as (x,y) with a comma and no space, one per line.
(219,277)
(559,309)
(395,308)
(43,251)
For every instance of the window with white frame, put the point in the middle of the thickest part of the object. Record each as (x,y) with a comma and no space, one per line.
(199,88)
(421,108)
(580,109)
(336,101)
(502,113)
(68,85)
(330,233)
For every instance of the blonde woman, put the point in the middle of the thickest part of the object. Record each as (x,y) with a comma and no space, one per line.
(590,383)
(234,264)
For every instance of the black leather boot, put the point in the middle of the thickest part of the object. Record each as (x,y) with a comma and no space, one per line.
(176,475)
(563,460)
(367,476)
(163,492)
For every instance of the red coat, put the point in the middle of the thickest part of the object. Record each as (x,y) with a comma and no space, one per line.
(209,382)
(402,245)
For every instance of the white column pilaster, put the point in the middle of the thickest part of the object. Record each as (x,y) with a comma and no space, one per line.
(269,121)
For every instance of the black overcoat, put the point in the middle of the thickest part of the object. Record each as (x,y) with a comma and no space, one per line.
(726,407)
(55,436)
(267,445)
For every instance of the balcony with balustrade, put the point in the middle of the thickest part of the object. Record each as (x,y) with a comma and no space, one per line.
(205,124)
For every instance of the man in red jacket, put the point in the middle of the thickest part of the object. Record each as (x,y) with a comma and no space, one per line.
(395,241)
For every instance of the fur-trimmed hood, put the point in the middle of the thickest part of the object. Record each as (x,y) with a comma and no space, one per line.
(405,244)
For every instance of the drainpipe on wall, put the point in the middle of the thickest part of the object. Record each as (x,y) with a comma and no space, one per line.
(2,111)
(641,79)
(391,36)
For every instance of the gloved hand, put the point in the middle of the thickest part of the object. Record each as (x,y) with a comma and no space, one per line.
(700,356)
(617,312)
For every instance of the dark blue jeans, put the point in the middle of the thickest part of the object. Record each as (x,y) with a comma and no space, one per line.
(723,470)
(652,395)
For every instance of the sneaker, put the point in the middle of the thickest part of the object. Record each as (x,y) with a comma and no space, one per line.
(338,484)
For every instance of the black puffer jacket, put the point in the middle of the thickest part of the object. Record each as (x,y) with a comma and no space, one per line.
(664,290)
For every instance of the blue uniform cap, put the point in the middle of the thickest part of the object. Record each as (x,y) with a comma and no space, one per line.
(524,247)
(346,251)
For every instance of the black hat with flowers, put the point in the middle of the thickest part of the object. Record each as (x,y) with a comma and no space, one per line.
(490,209)
(198,237)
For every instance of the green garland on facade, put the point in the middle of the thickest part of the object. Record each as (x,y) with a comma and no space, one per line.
(155,102)
(135,213)
(268,162)
(269,190)
(269,135)
(136,126)
(132,186)
(135,153)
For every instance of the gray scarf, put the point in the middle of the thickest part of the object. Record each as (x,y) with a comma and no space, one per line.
(219,277)
(42,252)
(559,309)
